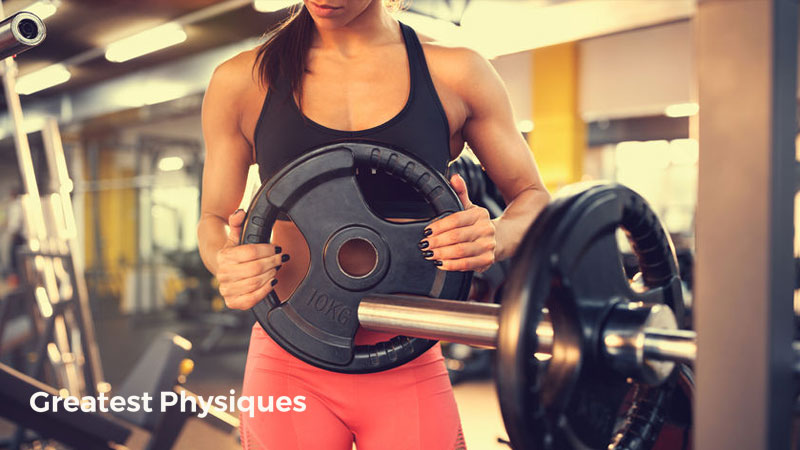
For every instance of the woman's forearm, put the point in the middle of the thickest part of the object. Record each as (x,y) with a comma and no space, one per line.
(211,237)
(511,226)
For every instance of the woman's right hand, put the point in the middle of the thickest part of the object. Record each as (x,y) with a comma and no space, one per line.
(246,273)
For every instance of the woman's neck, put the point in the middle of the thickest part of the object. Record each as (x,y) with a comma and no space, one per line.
(374,26)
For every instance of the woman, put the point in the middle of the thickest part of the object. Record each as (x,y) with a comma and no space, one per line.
(345,69)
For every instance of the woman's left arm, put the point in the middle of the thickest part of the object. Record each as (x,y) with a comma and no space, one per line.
(469,240)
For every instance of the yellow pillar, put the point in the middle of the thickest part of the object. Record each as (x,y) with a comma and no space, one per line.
(117,222)
(559,136)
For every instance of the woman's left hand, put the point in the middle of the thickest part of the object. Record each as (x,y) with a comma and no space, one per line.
(464,240)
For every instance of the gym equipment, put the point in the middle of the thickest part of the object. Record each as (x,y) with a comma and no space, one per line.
(162,368)
(158,370)
(574,337)
(570,264)
(163,358)
(319,192)
(55,277)
(55,282)
(19,33)
(571,332)
(63,226)
(78,429)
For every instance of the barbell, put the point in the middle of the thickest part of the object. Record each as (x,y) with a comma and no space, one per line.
(20,32)
(575,339)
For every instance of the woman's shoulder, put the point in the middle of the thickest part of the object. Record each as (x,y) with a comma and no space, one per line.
(230,93)
(457,66)
(238,74)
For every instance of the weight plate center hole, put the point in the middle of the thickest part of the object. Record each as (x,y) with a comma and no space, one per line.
(357,258)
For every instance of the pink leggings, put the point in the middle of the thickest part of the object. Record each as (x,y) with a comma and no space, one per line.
(409,407)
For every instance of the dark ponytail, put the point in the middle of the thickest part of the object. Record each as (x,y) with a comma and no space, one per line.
(286,50)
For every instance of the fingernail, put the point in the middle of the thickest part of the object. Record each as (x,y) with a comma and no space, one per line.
(237,211)
(427,232)
(278,268)
(284,258)
(274,282)
(437,263)
(423,244)
(278,249)
(427,253)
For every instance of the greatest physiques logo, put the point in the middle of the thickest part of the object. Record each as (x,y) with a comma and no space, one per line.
(201,405)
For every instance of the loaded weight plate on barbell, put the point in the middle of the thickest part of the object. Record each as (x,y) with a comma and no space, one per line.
(569,263)
(320,193)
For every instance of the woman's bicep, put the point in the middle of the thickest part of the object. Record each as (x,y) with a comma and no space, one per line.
(491,132)
(228,153)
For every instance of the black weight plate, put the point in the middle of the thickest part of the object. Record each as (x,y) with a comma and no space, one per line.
(321,195)
(569,263)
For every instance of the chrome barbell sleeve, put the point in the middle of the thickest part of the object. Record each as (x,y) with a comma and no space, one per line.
(670,345)
(469,323)
(20,32)
(638,340)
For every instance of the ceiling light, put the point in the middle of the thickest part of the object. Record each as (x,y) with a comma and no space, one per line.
(149,92)
(42,9)
(170,164)
(682,110)
(42,79)
(149,41)
(273,5)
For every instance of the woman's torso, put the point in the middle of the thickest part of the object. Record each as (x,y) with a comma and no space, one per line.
(356,93)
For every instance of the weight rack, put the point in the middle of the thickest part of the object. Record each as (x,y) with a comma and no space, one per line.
(57,284)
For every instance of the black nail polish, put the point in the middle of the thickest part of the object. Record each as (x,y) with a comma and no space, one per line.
(423,244)
(278,249)
(427,253)
(278,268)
(274,282)
(437,263)
(427,232)
(284,258)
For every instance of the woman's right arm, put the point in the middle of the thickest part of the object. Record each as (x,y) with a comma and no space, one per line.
(246,273)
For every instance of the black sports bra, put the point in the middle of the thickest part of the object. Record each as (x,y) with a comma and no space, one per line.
(283,133)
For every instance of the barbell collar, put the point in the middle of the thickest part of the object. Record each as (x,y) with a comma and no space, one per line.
(624,341)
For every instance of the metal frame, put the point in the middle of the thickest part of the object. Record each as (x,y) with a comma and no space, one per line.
(36,225)
(747,63)
(56,275)
(61,183)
